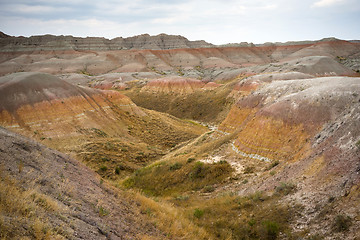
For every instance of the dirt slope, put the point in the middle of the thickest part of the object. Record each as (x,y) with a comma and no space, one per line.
(69,200)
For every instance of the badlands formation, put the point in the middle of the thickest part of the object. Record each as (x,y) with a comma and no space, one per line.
(160,137)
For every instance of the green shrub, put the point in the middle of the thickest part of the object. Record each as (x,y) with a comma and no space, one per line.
(99,132)
(118,169)
(190,160)
(208,189)
(271,229)
(175,166)
(182,198)
(103,211)
(285,188)
(198,170)
(273,164)
(109,146)
(252,222)
(103,168)
(249,169)
(257,196)
(198,213)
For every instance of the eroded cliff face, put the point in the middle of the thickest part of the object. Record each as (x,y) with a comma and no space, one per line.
(278,119)
(323,58)
(60,43)
(310,128)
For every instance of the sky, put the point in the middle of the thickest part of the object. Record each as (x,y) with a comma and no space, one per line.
(215,21)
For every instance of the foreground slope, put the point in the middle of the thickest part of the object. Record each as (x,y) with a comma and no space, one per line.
(45,194)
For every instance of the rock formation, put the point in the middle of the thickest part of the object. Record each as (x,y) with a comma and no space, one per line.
(61,43)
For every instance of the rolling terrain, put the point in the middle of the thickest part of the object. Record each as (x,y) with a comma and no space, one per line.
(210,142)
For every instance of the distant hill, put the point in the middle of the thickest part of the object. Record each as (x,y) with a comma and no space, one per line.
(51,42)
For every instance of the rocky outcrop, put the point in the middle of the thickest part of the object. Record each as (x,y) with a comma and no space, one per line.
(61,43)
(3,35)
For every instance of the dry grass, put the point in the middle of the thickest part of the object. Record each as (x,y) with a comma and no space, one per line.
(115,157)
(255,216)
(169,219)
(201,105)
(161,179)
(226,216)
(23,212)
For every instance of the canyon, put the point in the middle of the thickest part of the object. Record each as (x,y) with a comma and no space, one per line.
(181,139)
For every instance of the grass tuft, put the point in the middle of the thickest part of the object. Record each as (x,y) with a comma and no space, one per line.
(341,223)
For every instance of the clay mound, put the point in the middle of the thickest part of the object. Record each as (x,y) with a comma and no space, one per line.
(66,199)
(321,66)
(249,84)
(217,62)
(332,48)
(28,100)
(269,77)
(30,88)
(107,85)
(133,67)
(57,62)
(173,85)
(108,80)
(314,65)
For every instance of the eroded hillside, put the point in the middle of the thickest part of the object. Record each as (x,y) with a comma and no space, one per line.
(104,128)
(48,195)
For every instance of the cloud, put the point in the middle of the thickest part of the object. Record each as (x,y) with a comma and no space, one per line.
(327,3)
(215,21)
(34,9)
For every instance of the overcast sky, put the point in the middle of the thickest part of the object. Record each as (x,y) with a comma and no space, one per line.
(216,21)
